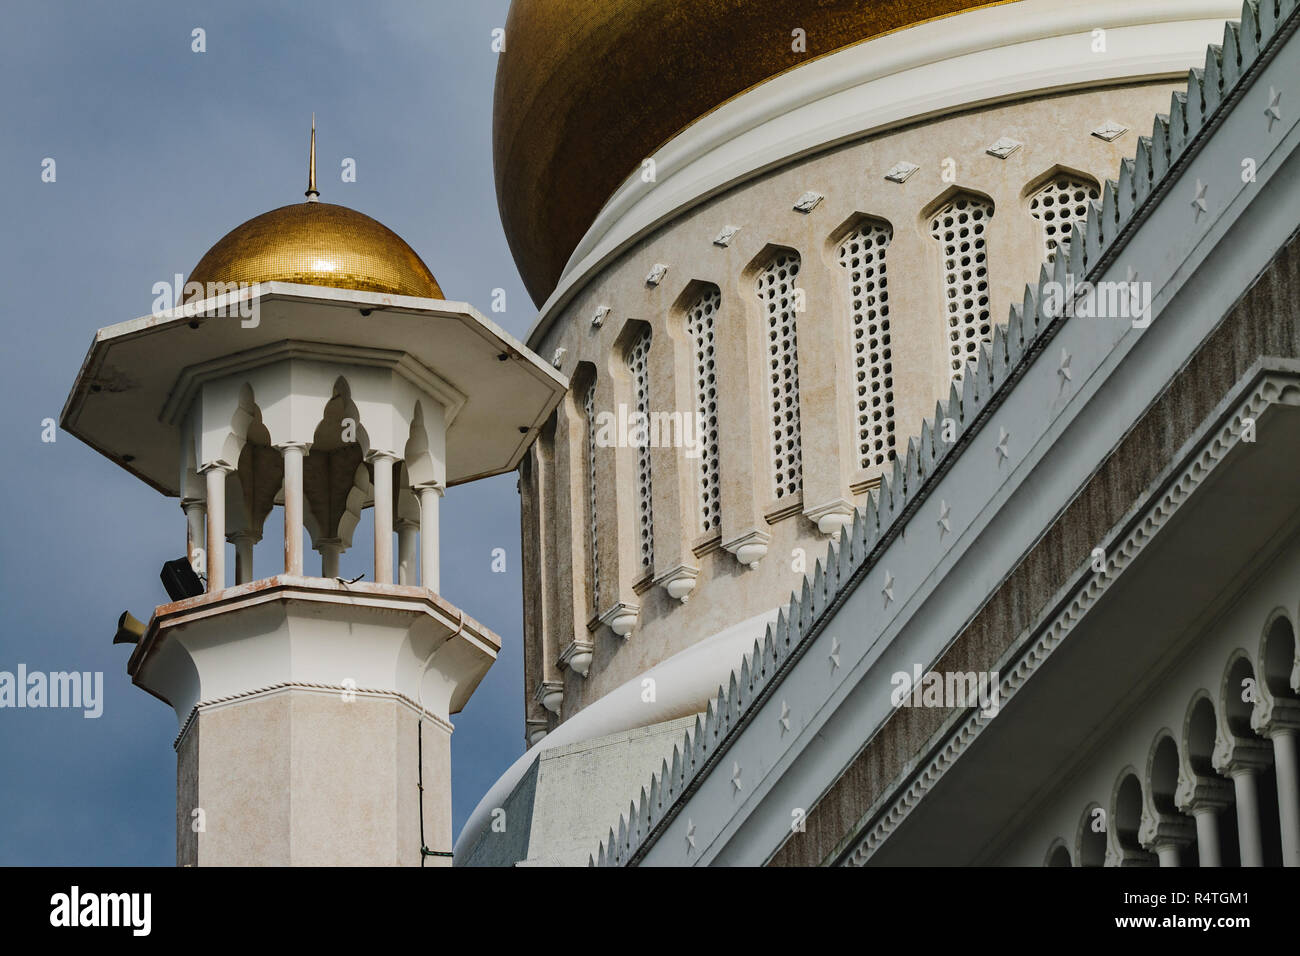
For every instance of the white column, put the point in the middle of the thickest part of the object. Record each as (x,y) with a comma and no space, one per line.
(195,527)
(1165,834)
(1202,798)
(383,482)
(330,549)
(243,542)
(292,452)
(1288,792)
(407,530)
(215,475)
(1207,834)
(1246,784)
(429,495)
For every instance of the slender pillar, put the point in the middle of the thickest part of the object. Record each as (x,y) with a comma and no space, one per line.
(195,529)
(215,475)
(1245,782)
(383,465)
(330,549)
(429,496)
(292,452)
(1288,791)
(1165,834)
(1207,836)
(243,542)
(407,532)
(1203,797)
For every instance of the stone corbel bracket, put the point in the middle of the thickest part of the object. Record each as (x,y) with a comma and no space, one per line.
(749,548)
(621,618)
(576,656)
(550,694)
(679,582)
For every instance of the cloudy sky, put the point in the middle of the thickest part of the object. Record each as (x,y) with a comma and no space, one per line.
(159,151)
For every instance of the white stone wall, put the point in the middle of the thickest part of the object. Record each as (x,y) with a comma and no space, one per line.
(780,216)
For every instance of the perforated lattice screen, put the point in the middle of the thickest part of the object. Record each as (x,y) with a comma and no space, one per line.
(777,294)
(959,226)
(862,254)
(1058,206)
(589,409)
(699,324)
(637,364)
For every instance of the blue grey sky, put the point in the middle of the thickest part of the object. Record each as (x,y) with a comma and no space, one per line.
(160,151)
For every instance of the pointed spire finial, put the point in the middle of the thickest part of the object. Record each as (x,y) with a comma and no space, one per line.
(312,194)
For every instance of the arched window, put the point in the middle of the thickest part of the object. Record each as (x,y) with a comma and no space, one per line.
(589,410)
(1059,206)
(862,254)
(959,226)
(1059,856)
(699,324)
(777,295)
(638,355)
(1092,837)
(1127,818)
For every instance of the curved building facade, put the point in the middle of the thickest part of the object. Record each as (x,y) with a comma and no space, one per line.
(762,312)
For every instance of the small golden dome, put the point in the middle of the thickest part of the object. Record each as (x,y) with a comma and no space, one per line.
(316,243)
(585,91)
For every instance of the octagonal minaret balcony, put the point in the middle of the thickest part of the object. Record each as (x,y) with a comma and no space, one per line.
(329,402)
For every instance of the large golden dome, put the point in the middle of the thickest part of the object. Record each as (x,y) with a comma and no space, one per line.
(585,91)
(316,243)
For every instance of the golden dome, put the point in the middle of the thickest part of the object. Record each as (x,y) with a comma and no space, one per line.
(316,243)
(585,91)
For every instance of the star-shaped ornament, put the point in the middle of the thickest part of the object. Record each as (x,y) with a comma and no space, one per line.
(1199,205)
(1274,111)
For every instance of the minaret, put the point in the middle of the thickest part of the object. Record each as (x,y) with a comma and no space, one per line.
(314,368)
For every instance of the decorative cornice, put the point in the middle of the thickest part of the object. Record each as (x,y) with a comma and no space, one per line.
(865,485)
(272,689)
(707,544)
(1024,661)
(193,377)
(783,508)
